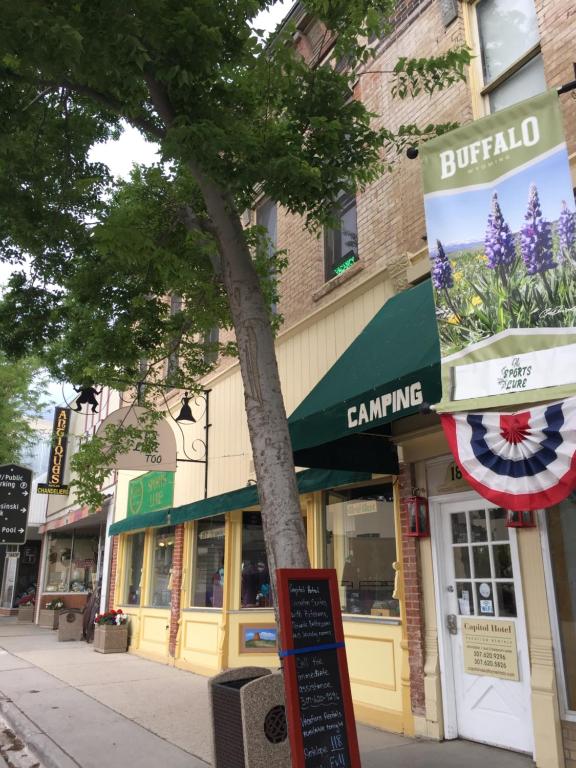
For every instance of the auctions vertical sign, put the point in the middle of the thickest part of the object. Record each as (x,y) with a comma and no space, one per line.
(57,462)
(502,237)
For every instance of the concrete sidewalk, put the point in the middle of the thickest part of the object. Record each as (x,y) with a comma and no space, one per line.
(77,708)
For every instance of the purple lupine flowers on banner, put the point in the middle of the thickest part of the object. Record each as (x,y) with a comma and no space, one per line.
(536,237)
(499,240)
(441,270)
(501,229)
(566,232)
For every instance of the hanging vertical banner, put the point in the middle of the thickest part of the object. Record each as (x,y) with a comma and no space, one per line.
(57,462)
(502,238)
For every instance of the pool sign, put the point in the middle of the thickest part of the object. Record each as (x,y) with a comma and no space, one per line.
(15,484)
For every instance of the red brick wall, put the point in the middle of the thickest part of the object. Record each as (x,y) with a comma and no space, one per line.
(112,574)
(177,560)
(413,608)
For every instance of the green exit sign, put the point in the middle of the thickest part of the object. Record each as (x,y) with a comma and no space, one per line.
(150,493)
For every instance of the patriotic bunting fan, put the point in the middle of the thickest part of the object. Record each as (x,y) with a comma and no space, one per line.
(519,461)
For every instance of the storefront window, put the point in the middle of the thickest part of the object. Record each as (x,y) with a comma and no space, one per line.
(72,562)
(208,577)
(361,546)
(58,566)
(562,537)
(161,585)
(134,561)
(255,582)
(84,562)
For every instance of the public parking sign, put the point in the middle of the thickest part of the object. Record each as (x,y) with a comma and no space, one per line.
(15,484)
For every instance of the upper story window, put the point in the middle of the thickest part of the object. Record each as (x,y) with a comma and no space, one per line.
(341,242)
(512,66)
(175,307)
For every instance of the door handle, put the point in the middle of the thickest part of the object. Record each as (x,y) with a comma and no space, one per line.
(452,623)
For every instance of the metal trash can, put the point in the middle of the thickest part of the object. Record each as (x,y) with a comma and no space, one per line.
(70,624)
(248,719)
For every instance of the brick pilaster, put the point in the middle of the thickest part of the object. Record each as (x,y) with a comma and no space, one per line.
(177,562)
(413,608)
(113,571)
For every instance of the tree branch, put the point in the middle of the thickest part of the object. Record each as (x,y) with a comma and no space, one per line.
(103,99)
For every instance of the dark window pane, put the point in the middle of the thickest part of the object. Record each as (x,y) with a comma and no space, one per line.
(506,599)
(502,561)
(459,531)
(481,563)
(255,580)
(134,560)
(478,530)
(341,242)
(498,530)
(161,586)
(461,562)
(485,598)
(208,584)
(465,599)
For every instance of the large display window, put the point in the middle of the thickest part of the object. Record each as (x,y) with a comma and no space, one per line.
(72,561)
(162,557)
(255,579)
(208,573)
(134,560)
(361,546)
(561,522)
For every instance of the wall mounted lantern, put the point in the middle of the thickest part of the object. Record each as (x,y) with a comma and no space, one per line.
(523,519)
(418,517)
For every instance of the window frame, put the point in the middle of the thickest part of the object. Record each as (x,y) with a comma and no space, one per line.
(480,90)
(330,264)
(97,566)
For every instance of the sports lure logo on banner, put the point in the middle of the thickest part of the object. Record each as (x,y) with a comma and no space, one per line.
(502,238)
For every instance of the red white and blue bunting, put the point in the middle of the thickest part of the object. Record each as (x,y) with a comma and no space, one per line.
(519,461)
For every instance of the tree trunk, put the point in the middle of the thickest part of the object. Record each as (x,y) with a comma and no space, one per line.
(267,423)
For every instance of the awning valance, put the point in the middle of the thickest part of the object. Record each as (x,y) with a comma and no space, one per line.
(135,522)
(387,372)
(308,481)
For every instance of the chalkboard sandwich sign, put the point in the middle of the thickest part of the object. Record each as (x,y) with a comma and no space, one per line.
(320,717)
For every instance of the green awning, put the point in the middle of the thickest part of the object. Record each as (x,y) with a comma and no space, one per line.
(309,480)
(387,372)
(135,522)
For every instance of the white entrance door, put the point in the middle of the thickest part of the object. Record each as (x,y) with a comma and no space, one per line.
(479,577)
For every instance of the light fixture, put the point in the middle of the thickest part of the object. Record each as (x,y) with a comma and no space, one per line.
(524,519)
(418,517)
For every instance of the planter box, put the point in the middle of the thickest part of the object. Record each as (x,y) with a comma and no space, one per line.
(48,618)
(110,638)
(26,613)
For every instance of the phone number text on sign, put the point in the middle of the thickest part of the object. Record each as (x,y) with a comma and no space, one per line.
(489,648)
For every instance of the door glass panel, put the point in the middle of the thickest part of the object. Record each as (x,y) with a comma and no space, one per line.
(465,602)
(498,530)
(482,557)
(478,525)
(482,562)
(506,599)
(485,598)
(459,530)
(502,561)
(461,563)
